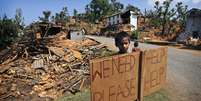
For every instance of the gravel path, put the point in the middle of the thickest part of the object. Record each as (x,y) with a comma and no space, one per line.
(183,73)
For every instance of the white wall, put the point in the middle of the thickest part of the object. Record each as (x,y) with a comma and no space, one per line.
(77,35)
(133,21)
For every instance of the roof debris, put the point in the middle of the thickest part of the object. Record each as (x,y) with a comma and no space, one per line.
(46,69)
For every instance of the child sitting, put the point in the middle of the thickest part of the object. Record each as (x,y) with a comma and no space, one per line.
(122,41)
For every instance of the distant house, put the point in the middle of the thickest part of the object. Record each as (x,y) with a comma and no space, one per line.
(113,19)
(193,25)
(125,17)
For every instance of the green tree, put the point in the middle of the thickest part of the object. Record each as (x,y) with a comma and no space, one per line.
(167,14)
(19,19)
(75,13)
(88,13)
(156,15)
(56,17)
(181,13)
(46,15)
(8,31)
(97,9)
(116,6)
(158,10)
(134,9)
(148,13)
(53,18)
(62,16)
(162,16)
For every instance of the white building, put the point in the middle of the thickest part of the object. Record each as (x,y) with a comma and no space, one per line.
(114,19)
(125,17)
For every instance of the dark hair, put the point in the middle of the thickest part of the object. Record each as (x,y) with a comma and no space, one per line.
(136,44)
(120,36)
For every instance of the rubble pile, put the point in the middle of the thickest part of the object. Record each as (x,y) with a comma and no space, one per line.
(193,41)
(47,68)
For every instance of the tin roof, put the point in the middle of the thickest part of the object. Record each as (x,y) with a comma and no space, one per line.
(194,12)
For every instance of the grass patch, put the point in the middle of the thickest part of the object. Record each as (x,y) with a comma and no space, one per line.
(161,95)
(81,96)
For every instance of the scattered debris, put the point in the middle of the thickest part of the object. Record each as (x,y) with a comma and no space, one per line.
(46,69)
(193,41)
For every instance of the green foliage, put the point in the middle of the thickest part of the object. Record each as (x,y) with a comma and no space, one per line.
(134,9)
(8,31)
(155,15)
(97,9)
(10,28)
(161,95)
(115,6)
(19,19)
(163,15)
(167,14)
(75,13)
(149,13)
(155,22)
(62,16)
(181,13)
(46,15)
(135,34)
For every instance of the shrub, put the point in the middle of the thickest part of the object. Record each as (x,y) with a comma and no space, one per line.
(8,31)
(135,35)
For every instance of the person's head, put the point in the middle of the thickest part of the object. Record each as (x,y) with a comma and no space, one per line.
(122,41)
(136,44)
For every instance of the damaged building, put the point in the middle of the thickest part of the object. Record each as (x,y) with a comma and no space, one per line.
(193,25)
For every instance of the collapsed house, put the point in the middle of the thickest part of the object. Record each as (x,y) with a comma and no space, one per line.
(193,25)
(48,67)
(46,28)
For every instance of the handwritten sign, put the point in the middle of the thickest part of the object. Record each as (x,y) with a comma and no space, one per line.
(154,67)
(115,78)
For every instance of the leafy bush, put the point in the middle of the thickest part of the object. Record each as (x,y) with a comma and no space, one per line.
(155,22)
(135,35)
(8,31)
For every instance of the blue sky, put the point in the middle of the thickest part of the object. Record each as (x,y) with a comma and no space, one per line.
(32,9)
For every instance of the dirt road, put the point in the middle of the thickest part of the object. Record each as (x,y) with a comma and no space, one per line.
(183,73)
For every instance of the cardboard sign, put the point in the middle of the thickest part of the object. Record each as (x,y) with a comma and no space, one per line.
(153,70)
(115,78)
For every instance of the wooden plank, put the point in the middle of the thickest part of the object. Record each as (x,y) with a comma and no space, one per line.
(115,78)
(153,70)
